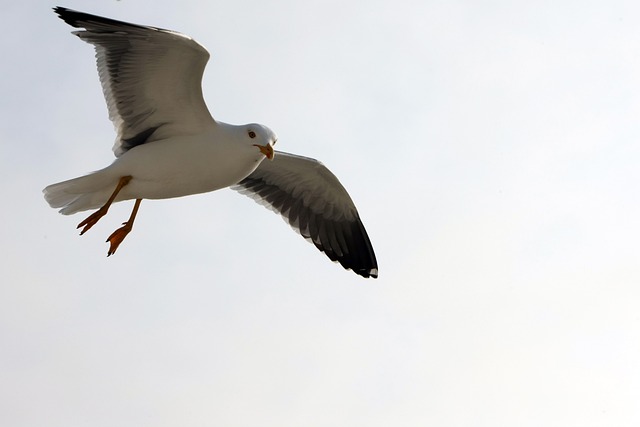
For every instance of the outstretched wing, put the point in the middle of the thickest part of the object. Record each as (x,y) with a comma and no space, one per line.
(151,78)
(316,205)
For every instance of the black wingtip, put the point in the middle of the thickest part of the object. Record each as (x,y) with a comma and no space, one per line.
(369,273)
(70,16)
(80,19)
(96,23)
(363,262)
(359,255)
(353,249)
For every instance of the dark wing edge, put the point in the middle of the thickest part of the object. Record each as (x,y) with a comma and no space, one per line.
(342,238)
(78,19)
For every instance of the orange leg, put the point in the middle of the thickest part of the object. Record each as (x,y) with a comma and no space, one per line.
(92,219)
(118,236)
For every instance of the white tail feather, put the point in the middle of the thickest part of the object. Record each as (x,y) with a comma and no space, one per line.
(82,193)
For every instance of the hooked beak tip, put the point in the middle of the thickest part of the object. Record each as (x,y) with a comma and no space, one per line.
(267,150)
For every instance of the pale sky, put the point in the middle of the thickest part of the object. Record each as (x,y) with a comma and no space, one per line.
(491,148)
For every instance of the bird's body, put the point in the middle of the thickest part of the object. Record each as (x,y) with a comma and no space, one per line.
(213,158)
(168,146)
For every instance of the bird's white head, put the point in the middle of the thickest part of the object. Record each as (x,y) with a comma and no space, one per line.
(261,137)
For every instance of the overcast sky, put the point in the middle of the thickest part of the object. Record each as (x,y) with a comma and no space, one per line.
(492,149)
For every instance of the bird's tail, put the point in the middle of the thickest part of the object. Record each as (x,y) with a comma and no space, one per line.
(80,194)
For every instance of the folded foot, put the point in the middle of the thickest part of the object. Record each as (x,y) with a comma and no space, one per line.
(118,236)
(92,219)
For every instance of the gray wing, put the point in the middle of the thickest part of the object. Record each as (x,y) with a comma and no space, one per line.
(316,205)
(151,78)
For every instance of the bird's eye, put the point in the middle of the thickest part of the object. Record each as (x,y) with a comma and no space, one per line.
(252,134)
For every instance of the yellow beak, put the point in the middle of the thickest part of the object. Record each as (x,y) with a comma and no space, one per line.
(267,150)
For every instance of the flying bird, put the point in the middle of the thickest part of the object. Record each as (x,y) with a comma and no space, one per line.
(168,145)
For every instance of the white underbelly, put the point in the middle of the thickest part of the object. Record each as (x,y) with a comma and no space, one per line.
(165,169)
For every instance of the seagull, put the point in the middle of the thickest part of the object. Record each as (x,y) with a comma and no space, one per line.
(168,145)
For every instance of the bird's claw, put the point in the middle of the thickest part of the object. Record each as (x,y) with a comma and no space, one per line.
(117,237)
(91,220)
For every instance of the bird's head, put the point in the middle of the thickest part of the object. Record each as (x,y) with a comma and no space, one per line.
(263,138)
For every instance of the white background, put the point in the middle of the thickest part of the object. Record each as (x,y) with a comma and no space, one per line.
(492,150)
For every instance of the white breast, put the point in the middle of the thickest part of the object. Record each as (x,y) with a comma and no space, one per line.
(196,164)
